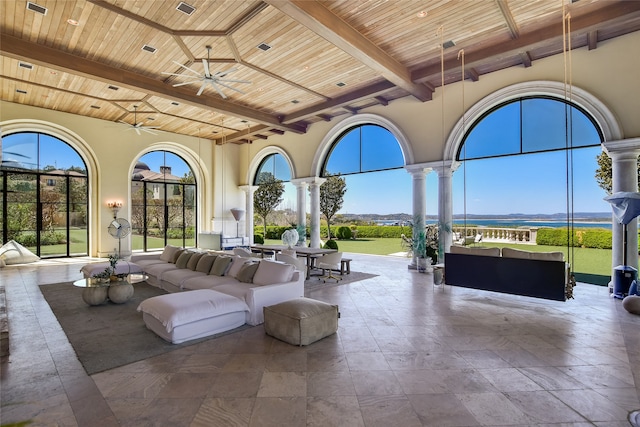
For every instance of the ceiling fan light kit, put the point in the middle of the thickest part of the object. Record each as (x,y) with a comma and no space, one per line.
(216,80)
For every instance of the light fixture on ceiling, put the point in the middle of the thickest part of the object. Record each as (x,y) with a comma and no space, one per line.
(149,49)
(73,22)
(139,126)
(263,46)
(216,80)
(185,8)
(422,14)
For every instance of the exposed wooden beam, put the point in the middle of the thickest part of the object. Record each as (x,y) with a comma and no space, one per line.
(38,54)
(539,37)
(472,74)
(317,18)
(381,100)
(508,17)
(350,98)
(526,59)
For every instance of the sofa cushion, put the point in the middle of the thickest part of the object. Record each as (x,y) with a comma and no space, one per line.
(207,282)
(183,259)
(270,272)
(247,272)
(205,263)
(474,251)
(168,253)
(236,265)
(176,255)
(193,261)
(544,256)
(220,265)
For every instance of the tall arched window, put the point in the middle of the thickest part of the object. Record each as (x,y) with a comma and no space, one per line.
(44,201)
(163,202)
(275,165)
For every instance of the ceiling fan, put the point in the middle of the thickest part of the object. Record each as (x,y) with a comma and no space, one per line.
(216,80)
(139,126)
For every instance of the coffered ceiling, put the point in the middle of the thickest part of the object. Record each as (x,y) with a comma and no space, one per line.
(306,61)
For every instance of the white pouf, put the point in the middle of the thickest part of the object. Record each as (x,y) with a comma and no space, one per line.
(189,315)
(122,267)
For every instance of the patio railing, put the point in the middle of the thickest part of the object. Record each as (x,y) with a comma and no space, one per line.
(495,234)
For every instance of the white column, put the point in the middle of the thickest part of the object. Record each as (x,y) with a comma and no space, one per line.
(445,207)
(301,209)
(624,165)
(419,190)
(314,187)
(248,190)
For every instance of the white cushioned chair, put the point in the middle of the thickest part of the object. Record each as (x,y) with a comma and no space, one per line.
(329,262)
(298,263)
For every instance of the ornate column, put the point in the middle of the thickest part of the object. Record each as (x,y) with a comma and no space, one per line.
(419,189)
(445,206)
(301,209)
(314,187)
(248,190)
(624,165)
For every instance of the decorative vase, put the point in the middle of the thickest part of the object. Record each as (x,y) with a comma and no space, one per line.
(290,237)
(423,264)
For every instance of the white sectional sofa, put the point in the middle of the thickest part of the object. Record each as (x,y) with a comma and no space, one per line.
(257,282)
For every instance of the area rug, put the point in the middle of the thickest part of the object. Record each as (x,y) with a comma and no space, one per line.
(109,335)
(315,283)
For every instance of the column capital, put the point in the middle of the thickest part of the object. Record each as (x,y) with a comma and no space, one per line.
(300,182)
(247,188)
(622,148)
(418,169)
(315,181)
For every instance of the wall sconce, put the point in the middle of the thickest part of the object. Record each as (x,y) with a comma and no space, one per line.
(114,206)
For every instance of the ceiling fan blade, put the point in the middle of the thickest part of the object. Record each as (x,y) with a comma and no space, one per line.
(204,83)
(215,86)
(224,73)
(187,68)
(206,67)
(230,87)
(148,130)
(233,81)
(137,130)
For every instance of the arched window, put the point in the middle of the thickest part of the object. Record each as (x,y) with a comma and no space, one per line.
(44,201)
(363,148)
(163,202)
(275,165)
(529,125)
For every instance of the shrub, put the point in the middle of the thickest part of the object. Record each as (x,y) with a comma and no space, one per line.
(258,239)
(343,233)
(331,244)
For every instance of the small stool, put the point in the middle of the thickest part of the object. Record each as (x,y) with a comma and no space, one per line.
(345,266)
(301,321)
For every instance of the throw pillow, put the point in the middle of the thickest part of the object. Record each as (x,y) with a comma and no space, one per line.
(220,265)
(236,265)
(168,253)
(248,270)
(176,255)
(193,261)
(205,263)
(270,272)
(183,259)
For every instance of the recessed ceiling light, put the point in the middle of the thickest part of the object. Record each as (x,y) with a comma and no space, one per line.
(448,44)
(341,84)
(95,106)
(185,8)
(25,65)
(295,101)
(422,14)
(112,87)
(148,48)
(36,8)
(263,46)
(55,73)
(175,103)
(73,22)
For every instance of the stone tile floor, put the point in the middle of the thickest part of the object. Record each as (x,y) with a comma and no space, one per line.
(407,354)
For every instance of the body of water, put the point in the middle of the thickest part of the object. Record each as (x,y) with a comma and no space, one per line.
(499,223)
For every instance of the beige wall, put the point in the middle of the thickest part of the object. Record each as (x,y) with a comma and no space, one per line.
(608,72)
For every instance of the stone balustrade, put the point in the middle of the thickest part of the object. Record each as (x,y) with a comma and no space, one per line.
(496,234)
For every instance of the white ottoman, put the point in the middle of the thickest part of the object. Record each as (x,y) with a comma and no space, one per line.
(122,267)
(189,315)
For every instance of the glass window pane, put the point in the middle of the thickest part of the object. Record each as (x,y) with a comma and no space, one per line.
(20,151)
(58,157)
(543,124)
(496,134)
(380,149)
(273,165)
(344,157)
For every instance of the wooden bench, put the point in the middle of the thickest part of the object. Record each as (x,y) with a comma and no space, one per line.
(345,266)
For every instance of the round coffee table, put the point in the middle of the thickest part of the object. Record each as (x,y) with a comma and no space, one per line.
(96,292)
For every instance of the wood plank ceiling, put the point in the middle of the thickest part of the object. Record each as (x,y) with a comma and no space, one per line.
(306,61)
